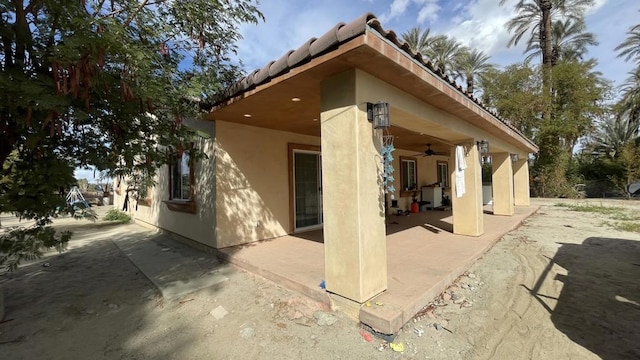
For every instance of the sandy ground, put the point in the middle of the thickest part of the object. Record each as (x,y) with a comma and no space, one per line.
(562,286)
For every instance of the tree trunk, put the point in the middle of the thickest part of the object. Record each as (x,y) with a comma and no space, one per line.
(470,84)
(8,139)
(547,54)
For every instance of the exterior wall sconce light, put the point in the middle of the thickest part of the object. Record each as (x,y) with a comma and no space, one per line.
(483,146)
(378,114)
(514,157)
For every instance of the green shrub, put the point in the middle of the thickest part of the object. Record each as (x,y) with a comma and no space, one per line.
(117,216)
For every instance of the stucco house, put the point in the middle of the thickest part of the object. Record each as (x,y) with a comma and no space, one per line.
(292,149)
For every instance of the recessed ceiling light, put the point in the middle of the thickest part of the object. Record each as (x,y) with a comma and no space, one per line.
(295,99)
(247,115)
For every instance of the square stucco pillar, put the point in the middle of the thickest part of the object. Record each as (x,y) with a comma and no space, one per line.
(502,178)
(467,209)
(521,182)
(353,203)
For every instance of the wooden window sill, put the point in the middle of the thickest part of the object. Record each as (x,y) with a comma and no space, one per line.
(181,206)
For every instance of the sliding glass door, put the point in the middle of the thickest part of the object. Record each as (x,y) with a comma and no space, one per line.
(307,182)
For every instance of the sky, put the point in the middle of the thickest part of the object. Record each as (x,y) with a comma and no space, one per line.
(476,23)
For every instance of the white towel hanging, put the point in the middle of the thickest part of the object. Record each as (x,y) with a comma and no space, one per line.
(461,165)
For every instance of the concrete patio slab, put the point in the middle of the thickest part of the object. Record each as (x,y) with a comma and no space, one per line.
(288,261)
(176,269)
(424,256)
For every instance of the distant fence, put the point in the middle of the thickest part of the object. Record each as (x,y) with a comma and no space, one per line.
(602,189)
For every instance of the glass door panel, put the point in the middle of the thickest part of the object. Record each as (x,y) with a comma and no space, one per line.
(307,190)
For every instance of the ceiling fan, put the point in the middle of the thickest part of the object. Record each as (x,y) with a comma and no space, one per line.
(430,152)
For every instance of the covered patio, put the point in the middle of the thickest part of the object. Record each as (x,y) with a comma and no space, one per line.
(297,149)
(424,256)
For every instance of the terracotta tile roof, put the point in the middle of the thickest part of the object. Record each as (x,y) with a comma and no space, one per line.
(331,40)
(314,47)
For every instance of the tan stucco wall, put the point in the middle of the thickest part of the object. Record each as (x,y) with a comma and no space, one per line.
(246,176)
(252,182)
(502,176)
(199,226)
(354,230)
(521,182)
(467,209)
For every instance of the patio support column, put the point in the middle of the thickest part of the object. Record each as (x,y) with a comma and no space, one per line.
(353,203)
(502,178)
(521,182)
(467,209)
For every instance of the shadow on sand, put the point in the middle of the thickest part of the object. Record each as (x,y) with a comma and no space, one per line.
(599,305)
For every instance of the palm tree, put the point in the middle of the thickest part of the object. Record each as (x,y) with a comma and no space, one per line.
(569,41)
(472,65)
(536,18)
(611,136)
(444,52)
(417,39)
(630,50)
(631,46)
(629,105)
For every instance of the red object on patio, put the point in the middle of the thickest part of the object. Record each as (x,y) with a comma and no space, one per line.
(415,208)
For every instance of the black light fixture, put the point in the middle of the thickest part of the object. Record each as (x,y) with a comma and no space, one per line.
(514,157)
(483,146)
(378,114)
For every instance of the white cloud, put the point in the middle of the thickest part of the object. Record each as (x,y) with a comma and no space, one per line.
(396,9)
(429,12)
(457,7)
(482,26)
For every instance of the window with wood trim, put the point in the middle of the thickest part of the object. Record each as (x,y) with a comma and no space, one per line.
(408,175)
(443,173)
(181,183)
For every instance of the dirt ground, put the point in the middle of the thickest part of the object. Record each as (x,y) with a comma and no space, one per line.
(565,285)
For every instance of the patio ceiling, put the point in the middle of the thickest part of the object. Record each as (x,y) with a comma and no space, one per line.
(271,105)
(291,101)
